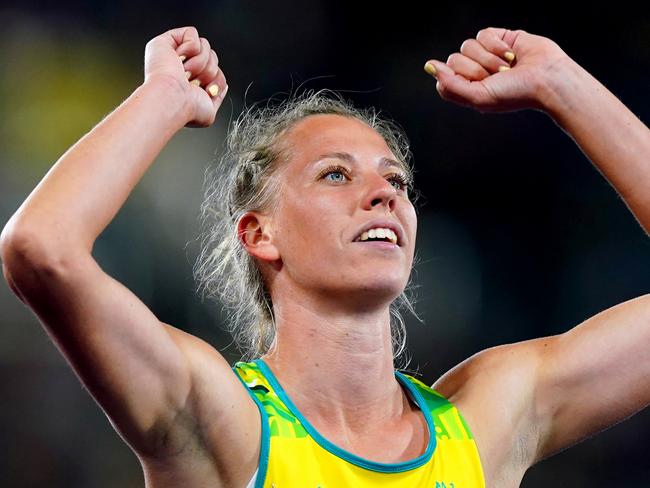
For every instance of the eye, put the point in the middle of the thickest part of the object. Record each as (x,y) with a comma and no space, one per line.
(402,181)
(332,170)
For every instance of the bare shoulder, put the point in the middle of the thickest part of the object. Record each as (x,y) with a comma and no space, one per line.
(494,390)
(226,421)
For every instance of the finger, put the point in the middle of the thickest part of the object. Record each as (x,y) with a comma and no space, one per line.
(468,68)
(185,41)
(222,86)
(497,41)
(196,64)
(455,87)
(209,73)
(475,51)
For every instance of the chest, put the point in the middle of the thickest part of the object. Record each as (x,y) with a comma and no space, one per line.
(384,443)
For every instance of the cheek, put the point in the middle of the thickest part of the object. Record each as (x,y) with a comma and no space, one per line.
(306,223)
(411,219)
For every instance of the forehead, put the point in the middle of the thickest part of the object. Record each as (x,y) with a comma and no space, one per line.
(329,134)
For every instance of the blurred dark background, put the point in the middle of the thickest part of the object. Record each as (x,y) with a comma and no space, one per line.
(519,235)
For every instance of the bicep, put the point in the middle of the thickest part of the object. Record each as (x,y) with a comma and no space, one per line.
(594,375)
(127,358)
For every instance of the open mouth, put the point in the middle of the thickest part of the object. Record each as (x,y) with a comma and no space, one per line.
(379,235)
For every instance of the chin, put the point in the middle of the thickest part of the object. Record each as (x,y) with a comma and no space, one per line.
(379,289)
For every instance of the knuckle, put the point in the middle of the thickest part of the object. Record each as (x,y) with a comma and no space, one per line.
(212,69)
(466,45)
(480,73)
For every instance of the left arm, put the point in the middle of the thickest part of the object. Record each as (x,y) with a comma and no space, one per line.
(596,374)
(592,376)
(504,70)
(608,133)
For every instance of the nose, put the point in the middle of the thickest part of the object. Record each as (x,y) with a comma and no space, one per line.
(380,192)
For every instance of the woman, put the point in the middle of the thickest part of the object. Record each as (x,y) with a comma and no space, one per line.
(321,404)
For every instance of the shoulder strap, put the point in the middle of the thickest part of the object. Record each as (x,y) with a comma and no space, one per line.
(450,424)
(282,422)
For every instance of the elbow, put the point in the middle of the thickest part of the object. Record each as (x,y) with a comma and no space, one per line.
(22,253)
(18,248)
(16,242)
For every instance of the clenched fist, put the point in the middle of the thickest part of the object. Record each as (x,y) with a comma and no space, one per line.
(501,70)
(181,55)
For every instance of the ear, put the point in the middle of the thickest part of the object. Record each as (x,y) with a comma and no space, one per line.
(255,233)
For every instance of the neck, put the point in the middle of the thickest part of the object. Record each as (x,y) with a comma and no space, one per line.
(336,365)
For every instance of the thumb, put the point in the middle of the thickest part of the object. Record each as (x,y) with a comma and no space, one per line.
(435,68)
(451,86)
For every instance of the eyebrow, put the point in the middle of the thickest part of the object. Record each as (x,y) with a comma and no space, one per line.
(384,162)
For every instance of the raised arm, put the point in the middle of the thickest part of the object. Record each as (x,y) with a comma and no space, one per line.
(141,371)
(595,374)
(538,74)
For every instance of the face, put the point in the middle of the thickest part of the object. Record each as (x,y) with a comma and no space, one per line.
(325,203)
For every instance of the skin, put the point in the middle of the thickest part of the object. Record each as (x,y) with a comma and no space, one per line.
(334,319)
(174,398)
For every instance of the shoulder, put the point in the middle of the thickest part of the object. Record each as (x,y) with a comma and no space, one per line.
(494,390)
(506,368)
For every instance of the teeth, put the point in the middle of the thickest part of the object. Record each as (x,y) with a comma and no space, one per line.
(380,233)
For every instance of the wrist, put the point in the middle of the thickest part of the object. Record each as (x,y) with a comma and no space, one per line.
(173,94)
(562,82)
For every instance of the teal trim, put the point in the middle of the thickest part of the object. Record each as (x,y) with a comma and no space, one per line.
(265,441)
(346,455)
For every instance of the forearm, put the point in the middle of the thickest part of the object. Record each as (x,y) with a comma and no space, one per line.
(85,188)
(607,132)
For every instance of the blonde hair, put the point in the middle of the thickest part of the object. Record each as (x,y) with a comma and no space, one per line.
(244,181)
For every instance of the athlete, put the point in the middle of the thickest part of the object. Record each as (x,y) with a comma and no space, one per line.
(315,240)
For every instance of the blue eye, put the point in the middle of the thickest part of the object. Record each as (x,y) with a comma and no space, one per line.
(334,173)
(402,180)
(332,170)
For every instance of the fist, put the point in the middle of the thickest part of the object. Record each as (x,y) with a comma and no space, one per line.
(501,70)
(181,55)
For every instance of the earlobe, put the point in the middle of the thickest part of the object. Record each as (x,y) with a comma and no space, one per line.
(254,234)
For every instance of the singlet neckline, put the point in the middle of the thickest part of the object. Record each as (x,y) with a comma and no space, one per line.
(348,456)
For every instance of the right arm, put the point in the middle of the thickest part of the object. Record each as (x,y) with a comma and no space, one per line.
(145,374)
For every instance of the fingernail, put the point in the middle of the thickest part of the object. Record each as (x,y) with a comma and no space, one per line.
(509,55)
(214,90)
(195,82)
(503,68)
(188,75)
(182,57)
(430,68)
